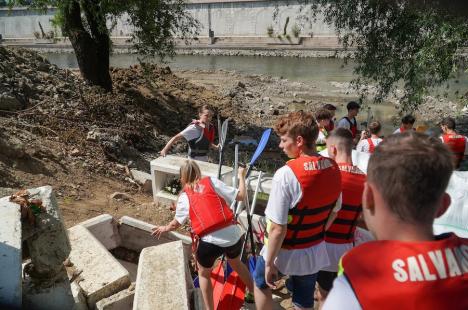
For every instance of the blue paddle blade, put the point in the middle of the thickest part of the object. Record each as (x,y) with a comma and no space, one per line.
(196,282)
(227,271)
(261,146)
(252,264)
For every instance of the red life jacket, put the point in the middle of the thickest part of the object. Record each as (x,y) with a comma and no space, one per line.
(208,211)
(456,143)
(371,145)
(409,275)
(352,184)
(321,186)
(352,126)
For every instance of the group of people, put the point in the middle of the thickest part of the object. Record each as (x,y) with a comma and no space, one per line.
(314,207)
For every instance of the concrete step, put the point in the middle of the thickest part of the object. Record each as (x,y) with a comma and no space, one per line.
(10,254)
(102,275)
(163,280)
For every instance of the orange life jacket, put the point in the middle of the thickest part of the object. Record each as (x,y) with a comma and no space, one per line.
(320,182)
(456,143)
(352,184)
(409,275)
(371,145)
(208,211)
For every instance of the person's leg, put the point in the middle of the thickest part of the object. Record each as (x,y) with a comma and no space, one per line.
(325,283)
(242,271)
(263,296)
(302,288)
(206,256)
(204,278)
(233,255)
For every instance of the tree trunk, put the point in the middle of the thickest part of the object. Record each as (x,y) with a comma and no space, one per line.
(91,49)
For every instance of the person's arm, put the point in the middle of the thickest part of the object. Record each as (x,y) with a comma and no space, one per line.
(334,213)
(158,230)
(242,190)
(170,143)
(276,236)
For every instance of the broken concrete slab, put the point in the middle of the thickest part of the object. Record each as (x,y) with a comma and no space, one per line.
(136,235)
(10,254)
(163,280)
(142,178)
(102,274)
(47,240)
(48,294)
(104,228)
(80,300)
(123,300)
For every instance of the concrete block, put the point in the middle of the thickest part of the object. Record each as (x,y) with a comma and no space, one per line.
(163,280)
(78,297)
(136,235)
(123,300)
(49,294)
(104,228)
(47,240)
(163,167)
(143,179)
(10,254)
(102,274)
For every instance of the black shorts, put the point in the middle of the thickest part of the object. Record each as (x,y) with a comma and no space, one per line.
(325,279)
(207,253)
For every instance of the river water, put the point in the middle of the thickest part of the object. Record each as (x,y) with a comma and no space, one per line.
(320,71)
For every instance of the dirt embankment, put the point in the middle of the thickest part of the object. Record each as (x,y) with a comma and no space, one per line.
(56,129)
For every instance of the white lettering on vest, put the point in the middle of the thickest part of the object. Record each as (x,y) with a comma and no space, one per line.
(419,268)
(438,262)
(427,274)
(400,273)
(462,256)
(454,269)
(318,165)
(414,270)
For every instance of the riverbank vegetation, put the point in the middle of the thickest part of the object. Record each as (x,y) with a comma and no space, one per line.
(409,45)
(84,22)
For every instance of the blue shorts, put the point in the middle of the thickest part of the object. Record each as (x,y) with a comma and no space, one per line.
(301,287)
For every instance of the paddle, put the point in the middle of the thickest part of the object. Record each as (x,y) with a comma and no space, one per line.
(234,290)
(222,133)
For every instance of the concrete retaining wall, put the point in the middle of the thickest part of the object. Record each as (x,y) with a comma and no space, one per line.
(235,18)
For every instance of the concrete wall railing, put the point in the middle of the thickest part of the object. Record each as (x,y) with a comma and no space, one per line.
(236,18)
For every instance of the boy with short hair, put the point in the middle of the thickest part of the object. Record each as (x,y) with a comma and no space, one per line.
(332,109)
(367,144)
(323,117)
(407,123)
(339,237)
(457,143)
(303,194)
(349,121)
(408,267)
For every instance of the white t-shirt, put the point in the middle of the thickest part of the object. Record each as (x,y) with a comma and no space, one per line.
(224,237)
(194,131)
(466,144)
(363,145)
(321,139)
(343,123)
(341,296)
(285,194)
(335,252)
